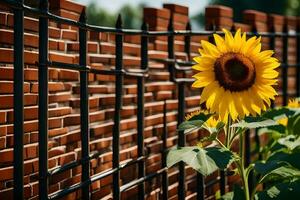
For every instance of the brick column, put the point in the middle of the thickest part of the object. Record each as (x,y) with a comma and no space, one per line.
(219,17)
(258,22)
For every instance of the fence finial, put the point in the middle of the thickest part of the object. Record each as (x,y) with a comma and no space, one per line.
(144,26)
(170,26)
(188,26)
(83,16)
(119,21)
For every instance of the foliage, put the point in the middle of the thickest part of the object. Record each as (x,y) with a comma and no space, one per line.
(268,6)
(131,15)
(279,170)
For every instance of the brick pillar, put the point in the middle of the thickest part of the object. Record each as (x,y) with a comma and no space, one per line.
(158,20)
(276,24)
(291,22)
(218,17)
(180,16)
(258,22)
(66,8)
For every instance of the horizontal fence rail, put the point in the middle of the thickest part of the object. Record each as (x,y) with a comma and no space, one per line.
(141,75)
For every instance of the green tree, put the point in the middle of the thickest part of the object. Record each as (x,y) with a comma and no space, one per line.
(293,7)
(268,6)
(99,16)
(131,15)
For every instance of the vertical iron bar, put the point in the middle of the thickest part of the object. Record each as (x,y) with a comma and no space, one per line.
(298,62)
(200,187)
(187,41)
(43,103)
(222,173)
(171,54)
(223,182)
(141,111)
(18,102)
(272,47)
(84,111)
(165,180)
(284,67)
(181,137)
(181,140)
(118,105)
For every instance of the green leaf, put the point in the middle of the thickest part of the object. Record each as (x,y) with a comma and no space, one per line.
(264,168)
(201,116)
(236,194)
(205,161)
(278,128)
(255,122)
(190,125)
(221,156)
(284,173)
(281,191)
(195,122)
(290,141)
(275,112)
(293,125)
(293,159)
(214,132)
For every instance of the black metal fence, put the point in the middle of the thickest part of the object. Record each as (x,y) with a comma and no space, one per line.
(174,66)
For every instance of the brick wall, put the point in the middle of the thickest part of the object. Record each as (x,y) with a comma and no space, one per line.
(64,117)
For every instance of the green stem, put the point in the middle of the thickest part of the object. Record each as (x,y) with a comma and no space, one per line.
(228,132)
(241,168)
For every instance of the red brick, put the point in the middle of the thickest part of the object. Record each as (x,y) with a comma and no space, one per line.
(253,15)
(57,151)
(157,13)
(30,113)
(175,8)
(179,18)
(54,32)
(59,57)
(67,14)
(57,132)
(3,130)
(216,11)
(2,142)
(31,151)
(3,18)
(69,34)
(66,5)
(6,101)
(68,75)
(6,173)
(6,156)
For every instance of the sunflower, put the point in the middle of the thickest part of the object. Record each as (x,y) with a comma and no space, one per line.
(293,103)
(211,122)
(237,77)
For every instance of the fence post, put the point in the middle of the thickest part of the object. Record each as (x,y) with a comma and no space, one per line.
(165,180)
(84,111)
(43,103)
(18,102)
(141,110)
(118,105)
(180,117)
(284,66)
(298,59)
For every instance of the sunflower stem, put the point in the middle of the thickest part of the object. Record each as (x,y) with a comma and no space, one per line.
(228,132)
(241,167)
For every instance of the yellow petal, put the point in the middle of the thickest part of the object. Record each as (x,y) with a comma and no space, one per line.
(232,110)
(229,41)
(207,91)
(220,43)
(210,48)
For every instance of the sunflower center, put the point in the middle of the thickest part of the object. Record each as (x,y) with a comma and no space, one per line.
(234,72)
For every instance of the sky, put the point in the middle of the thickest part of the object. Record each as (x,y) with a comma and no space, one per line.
(195,6)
